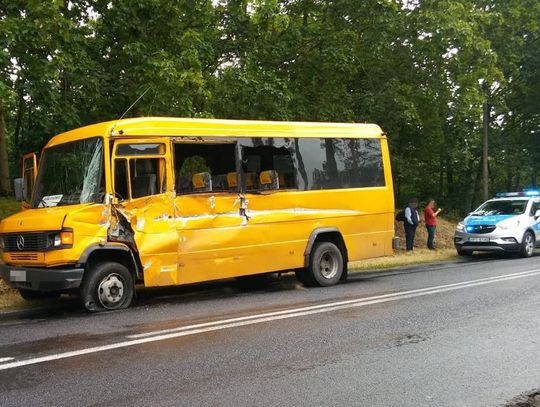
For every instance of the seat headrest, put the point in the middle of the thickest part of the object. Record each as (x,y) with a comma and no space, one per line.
(202,181)
(269,179)
(231,180)
(143,167)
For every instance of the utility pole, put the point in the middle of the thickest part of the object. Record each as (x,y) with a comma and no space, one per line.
(485,175)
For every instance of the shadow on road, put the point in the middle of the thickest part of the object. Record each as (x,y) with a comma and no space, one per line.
(154,296)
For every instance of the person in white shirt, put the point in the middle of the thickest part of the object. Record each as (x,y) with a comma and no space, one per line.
(412,219)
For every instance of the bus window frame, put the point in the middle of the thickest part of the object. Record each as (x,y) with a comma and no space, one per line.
(165,162)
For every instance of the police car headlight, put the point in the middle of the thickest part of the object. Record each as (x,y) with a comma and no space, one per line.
(460,227)
(509,224)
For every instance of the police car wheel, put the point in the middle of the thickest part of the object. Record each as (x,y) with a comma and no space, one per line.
(527,245)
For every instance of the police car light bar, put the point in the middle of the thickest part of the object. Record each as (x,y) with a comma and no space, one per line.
(514,194)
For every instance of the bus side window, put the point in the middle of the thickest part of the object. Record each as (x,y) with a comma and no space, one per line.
(273,166)
(203,168)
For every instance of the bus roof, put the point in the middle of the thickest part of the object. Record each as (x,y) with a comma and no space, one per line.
(178,127)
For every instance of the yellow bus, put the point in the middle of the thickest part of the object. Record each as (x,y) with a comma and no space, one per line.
(170,201)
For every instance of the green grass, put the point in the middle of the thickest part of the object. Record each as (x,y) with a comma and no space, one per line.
(8,206)
(402,259)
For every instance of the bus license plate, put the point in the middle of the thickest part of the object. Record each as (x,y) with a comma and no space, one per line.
(17,275)
(479,239)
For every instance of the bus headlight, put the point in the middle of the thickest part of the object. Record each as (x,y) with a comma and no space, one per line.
(61,240)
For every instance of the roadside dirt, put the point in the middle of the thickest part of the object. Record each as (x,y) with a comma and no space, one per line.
(444,237)
(4,288)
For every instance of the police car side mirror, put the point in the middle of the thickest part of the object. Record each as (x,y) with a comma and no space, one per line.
(537,214)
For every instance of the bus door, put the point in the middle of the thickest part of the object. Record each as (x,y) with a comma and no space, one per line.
(143,197)
(215,239)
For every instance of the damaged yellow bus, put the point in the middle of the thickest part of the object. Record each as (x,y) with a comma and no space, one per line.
(168,201)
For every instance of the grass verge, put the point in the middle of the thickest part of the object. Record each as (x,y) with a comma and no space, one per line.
(8,206)
(402,258)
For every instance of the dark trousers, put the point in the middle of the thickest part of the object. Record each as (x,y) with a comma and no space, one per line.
(410,231)
(431,236)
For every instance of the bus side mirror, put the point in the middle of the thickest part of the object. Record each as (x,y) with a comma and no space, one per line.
(18,188)
(29,173)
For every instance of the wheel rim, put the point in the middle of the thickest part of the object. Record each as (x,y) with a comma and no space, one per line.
(328,265)
(111,291)
(529,245)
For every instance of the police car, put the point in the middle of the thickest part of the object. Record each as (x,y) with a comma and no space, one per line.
(510,222)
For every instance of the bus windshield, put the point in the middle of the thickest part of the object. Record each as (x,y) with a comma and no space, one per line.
(71,173)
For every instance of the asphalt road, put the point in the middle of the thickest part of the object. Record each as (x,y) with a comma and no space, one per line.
(462,334)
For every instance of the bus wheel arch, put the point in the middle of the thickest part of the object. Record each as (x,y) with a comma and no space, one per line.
(325,250)
(109,278)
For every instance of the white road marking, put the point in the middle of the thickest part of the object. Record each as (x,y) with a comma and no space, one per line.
(267,317)
(2,360)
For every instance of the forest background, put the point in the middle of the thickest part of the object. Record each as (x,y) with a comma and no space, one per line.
(422,69)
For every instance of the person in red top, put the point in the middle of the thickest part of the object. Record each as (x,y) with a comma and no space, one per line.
(430,217)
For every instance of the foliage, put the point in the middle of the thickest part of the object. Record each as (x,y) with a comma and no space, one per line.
(8,206)
(422,69)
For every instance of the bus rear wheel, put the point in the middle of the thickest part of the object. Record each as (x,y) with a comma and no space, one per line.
(107,287)
(325,265)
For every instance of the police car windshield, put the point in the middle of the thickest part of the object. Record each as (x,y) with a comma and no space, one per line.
(502,207)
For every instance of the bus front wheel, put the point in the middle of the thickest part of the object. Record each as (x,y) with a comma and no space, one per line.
(106,287)
(325,265)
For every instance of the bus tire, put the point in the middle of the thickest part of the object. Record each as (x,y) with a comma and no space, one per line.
(527,245)
(106,287)
(325,264)
(29,295)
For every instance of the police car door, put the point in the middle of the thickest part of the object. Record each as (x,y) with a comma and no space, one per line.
(535,221)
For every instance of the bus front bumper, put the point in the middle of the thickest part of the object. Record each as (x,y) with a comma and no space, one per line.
(41,279)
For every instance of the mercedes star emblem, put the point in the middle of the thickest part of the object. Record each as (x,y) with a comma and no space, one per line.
(20,242)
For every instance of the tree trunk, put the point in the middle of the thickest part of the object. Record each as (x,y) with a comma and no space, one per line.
(18,123)
(440,192)
(485,169)
(5,182)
